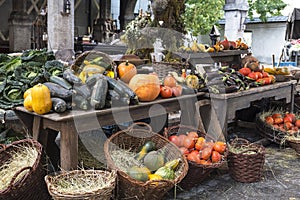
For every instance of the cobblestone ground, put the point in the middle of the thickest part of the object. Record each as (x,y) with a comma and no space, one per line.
(281,180)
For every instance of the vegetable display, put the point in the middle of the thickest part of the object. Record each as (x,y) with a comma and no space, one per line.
(18,73)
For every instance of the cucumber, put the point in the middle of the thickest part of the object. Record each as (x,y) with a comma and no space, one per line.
(70,76)
(59,91)
(58,105)
(80,102)
(83,90)
(99,94)
(60,81)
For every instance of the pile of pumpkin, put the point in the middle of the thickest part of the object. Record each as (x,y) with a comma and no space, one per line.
(198,149)
(284,122)
(147,164)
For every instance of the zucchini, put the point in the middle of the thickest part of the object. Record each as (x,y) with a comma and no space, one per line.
(112,95)
(83,90)
(59,91)
(121,88)
(60,81)
(70,76)
(80,102)
(91,80)
(58,105)
(99,94)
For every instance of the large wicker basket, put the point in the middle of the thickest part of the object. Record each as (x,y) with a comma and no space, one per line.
(77,66)
(132,139)
(104,193)
(247,165)
(267,131)
(32,185)
(197,173)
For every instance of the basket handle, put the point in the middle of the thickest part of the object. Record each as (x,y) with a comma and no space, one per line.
(140,125)
(16,175)
(239,141)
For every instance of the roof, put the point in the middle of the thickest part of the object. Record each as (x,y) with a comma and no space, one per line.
(256,20)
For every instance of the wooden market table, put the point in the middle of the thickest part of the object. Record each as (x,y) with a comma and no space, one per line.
(226,105)
(228,56)
(72,123)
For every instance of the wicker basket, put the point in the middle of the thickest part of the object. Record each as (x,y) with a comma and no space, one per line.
(90,55)
(267,131)
(133,138)
(103,193)
(32,185)
(244,166)
(197,173)
(295,144)
(163,68)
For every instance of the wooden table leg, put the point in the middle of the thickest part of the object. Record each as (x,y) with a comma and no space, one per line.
(68,146)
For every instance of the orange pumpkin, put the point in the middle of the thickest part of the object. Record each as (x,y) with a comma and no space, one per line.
(146,86)
(126,71)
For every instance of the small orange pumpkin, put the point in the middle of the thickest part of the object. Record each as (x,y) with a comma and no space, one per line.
(126,71)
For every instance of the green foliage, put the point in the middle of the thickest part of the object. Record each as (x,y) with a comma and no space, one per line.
(200,16)
(265,8)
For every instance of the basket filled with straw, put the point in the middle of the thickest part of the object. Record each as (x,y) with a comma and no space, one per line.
(246,160)
(21,171)
(81,184)
(148,165)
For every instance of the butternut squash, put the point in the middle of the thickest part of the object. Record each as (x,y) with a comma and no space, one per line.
(41,99)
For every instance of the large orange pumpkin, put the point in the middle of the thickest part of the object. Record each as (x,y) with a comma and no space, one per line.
(126,71)
(146,86)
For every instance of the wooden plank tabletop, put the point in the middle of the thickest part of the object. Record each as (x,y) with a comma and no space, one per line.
(170,105)
(258,90)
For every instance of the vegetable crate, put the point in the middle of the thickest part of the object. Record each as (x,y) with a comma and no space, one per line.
(26,183)
(197,172)
(246,161)
(132,139)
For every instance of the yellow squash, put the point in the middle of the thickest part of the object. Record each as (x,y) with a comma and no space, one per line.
(41,99)
(28,103)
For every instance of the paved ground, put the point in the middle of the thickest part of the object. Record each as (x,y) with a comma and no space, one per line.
(281,178)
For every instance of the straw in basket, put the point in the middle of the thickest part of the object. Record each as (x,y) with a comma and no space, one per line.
(81,184)
(26,173)
(132,139)
(197,173)
(246,161)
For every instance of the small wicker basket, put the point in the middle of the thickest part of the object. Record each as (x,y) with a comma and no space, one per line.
(133,138)
(162,69)
(31,186)
(197,173)
(104,193)
(247,165)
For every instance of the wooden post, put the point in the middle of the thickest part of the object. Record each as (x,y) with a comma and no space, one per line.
(60,26)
